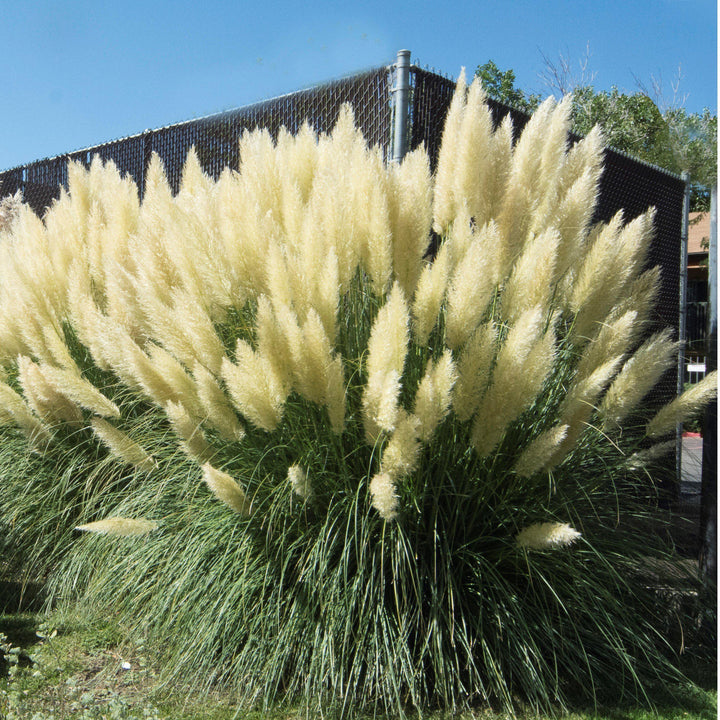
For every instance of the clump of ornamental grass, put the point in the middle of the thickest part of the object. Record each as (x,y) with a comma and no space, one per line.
(354,474)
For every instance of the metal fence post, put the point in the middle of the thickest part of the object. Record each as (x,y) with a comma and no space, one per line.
(682,321)
(401,105)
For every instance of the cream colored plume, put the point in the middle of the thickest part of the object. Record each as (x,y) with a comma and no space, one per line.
(444,205)
(402,452)
(523,363)
(386,351)
(532,278)
(546,536)
(473,370)
(640,459)
(226,489)
(9,208)
(684,407)
(299,481)
(14,405)
(471,287)
(473,176)
(614,339)
(78,390)
(121,526)
(434,394)
(429,295)
(217,411)
(121,446)
(539,453)
(383,496)
(48,404)
(187,428)
(611,264)
(410,208)
(254,387)
(638,376)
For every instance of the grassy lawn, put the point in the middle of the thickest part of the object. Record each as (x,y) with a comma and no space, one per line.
(58,667)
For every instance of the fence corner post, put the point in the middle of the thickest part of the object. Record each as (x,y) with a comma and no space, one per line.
(401,104)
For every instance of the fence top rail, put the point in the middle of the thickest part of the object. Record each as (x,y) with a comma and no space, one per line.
(255,106)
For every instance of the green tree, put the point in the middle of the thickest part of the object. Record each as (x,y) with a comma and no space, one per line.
(632,123)
(501,86)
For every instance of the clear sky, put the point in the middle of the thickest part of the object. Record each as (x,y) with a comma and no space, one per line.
(77,73)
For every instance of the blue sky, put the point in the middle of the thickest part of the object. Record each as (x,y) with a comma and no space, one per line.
(78,73)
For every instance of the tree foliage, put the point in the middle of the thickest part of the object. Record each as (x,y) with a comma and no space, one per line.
(673,139)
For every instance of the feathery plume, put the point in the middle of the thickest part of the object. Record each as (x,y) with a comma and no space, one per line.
(613,340)
(121,446)
(638,376)
(335,394)
(684,407)
(531,280)
(523,363)
(48,404)
(383,496)
(473,172)
(434,394)
(429,295)
(641,297)
(9,208)
(471,288)
(258,393)
(444,206)
(14,405)
(402,452)
(124,527)
(217,409)
(546,536)
(187,428)
(386,351)
(642,458)
(473,370)
(78,390)
(538,454)
(298,479)
(226,489)
(410,207)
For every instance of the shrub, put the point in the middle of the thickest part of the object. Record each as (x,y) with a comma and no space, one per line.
(342,470)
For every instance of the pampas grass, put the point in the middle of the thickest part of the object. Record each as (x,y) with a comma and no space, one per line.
(368,469)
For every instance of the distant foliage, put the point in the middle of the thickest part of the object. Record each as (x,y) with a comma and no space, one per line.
(632,123)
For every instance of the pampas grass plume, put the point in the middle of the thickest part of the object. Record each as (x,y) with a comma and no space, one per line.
(434,394)
(429,295)
(119,526)
(539,453)
(639,375)
(298,479)
(546,536)
(402,452)
(684,407)
(383,495)
(226,489)
(121,446)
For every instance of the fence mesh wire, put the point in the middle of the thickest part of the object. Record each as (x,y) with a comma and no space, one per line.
(216,137)
(626,183)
